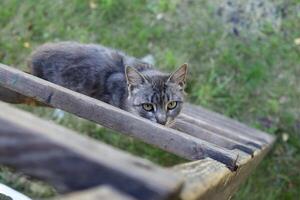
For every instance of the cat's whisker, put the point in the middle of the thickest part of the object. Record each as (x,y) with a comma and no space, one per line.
(169,124)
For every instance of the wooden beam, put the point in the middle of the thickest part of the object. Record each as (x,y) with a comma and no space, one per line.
(210,180)
(70,161)
(215,129)
(111,117)
(11,96)
(230,127)
(184,123)
(99,193)
(220,140)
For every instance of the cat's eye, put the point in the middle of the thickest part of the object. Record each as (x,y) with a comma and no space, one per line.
(171,105)
(148,107)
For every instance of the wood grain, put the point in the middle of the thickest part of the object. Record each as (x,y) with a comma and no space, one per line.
(220,140)
(210,180)
(72,162)
(111,117)
(230,127)
(11,96)
(216,129)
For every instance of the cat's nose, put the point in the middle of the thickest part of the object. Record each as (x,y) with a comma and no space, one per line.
(162,122)
(161,119)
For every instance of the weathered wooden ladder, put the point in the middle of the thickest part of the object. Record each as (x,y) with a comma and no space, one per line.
(223,151)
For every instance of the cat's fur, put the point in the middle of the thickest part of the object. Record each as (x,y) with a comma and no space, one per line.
(113,77)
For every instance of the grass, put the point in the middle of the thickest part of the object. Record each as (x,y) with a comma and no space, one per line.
(254,79)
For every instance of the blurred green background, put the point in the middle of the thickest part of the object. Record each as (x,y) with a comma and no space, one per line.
(244,58)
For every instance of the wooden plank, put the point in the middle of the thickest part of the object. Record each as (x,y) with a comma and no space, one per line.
(199,132)
(220,122)
(11,96)
(221,131)
(83,106)
(99,193)
(210,180)
(72,162)
(182,124)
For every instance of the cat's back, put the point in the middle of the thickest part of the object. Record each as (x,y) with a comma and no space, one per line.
(84,68)
(74,50)
(66,55)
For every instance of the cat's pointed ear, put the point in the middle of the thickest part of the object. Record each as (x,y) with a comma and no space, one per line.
(133,77)
(179,76)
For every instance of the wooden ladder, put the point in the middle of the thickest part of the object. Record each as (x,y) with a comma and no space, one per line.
(223,152)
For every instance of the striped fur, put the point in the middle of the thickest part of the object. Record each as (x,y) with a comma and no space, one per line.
(111,76)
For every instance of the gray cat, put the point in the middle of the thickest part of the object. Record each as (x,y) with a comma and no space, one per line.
(113,77)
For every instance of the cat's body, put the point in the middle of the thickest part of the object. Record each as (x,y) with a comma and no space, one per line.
(102,73)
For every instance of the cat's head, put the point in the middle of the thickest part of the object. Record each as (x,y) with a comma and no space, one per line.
(154,95)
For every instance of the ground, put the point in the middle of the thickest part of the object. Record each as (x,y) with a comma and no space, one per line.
(244,69)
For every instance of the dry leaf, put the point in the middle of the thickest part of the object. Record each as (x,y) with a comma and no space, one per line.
(26,44)
(285,137)
(93,5)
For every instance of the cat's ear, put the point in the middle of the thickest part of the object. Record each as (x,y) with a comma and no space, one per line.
(133,77)
(179,76)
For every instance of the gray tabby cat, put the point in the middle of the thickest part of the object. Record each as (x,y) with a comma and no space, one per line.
(113,77)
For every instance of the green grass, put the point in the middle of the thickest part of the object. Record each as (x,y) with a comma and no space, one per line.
(252,79)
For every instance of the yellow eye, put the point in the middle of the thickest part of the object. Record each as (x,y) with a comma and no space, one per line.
(171,105)
(148,106)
